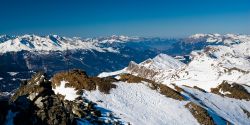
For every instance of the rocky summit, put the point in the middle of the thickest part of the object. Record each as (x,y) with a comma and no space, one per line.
(35,103)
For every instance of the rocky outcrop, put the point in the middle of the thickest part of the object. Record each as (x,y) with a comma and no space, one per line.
(200,114)
(163,89)
(140,70)
(233,90)
(81,81)
(36,102)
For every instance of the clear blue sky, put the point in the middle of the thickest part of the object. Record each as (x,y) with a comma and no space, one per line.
(90,18)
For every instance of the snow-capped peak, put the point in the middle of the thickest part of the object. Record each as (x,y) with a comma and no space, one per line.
(117,39)
(202,35)
(162,62)
(158,68)
(49,43)
(218,38)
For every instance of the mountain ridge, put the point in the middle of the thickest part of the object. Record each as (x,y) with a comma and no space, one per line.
(58,43)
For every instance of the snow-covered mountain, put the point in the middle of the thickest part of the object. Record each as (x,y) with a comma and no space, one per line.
(54,43)
(216,78)
(208,67)
(28,53)
(214,64)
(158,68)
(58,43)
(212,88)
(218,38)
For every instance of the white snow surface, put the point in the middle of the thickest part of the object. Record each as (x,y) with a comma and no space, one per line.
(228,108)
(162,62)
(13,73)
(138,104)
(208,68)
(69,93)
(106,74)
(48,43)
(211,66)
(247,88)
(218,38)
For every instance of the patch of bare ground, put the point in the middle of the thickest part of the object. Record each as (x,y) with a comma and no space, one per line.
(163,89)
(230,70)
(200,114)
(233,90)
(81,81)
(177,88)
(198,88)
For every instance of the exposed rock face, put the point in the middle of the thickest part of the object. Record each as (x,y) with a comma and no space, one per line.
(157,69)
(200,114)
(36,102)
(232,90)
(81,81)
(140,70)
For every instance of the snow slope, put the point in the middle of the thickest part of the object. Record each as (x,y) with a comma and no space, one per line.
(214,64)
(138,104)
(106,74)
(228,108)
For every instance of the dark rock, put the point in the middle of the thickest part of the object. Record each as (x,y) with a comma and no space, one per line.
(4,107)
(163,89)
(81,81)
(200,114)
(35,103)
(235,90)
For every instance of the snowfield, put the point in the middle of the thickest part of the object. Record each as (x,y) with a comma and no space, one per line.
(211,66)
(69,93)
(228,108)
(106,74)
(138,104)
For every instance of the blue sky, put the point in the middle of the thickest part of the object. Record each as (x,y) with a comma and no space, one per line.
(91,18)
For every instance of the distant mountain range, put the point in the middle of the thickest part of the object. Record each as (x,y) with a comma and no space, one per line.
(50,43)
(202,79)
(28,53)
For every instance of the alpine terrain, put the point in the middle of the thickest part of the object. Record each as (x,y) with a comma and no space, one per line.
(199,80)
